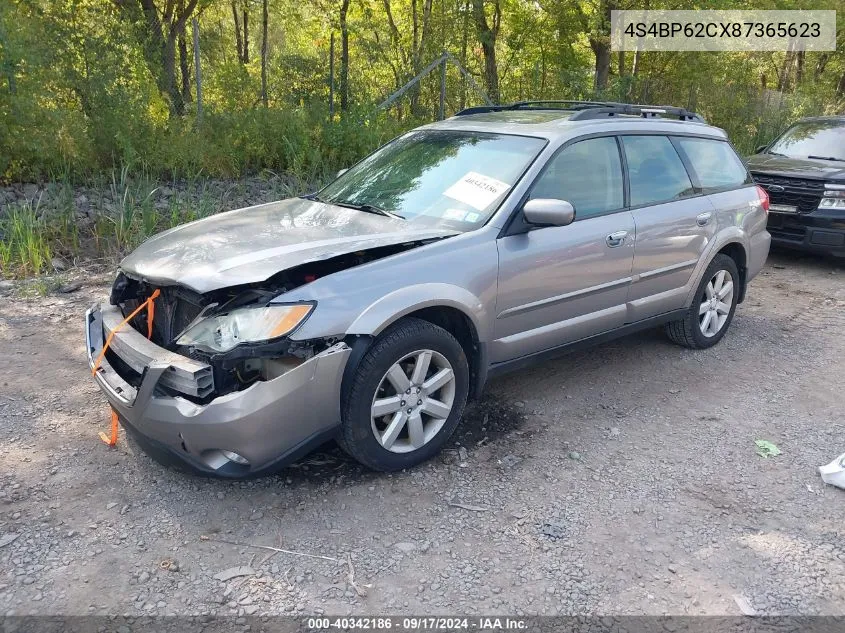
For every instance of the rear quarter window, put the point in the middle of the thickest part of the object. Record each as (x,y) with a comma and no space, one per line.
(715,163)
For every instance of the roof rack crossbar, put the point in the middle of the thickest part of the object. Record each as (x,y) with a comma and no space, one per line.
(586,110)
(632,109)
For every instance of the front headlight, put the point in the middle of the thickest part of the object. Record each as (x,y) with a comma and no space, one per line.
(834,197)
(245,325)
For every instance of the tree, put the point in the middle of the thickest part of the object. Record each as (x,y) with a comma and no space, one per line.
(344,56)
(265,19)
(488,33)
(160,31)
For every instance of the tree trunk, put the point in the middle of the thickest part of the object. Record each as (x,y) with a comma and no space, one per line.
(265,18)
(620,57)
(344,56)
(487,35)
(239,43)
(799,67)
(600,43)
(184,67)
(601,50)
(820,66)
(245,57)
(159,45)
(171,87)
(414,93)
(840,89)
(464,38)
(786,70)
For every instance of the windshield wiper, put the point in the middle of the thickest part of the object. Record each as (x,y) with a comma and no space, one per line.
(315,197)
(775,153)
(367,208)
(834,158)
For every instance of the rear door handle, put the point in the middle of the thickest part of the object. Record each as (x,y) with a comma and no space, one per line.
(702,219)
(615,239)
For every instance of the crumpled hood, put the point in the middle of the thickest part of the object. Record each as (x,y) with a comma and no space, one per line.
(252,244)
(797,167)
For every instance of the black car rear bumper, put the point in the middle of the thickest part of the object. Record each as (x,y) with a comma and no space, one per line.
(817,232)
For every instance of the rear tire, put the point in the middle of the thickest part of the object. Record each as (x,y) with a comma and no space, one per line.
(406,396)
(712,309)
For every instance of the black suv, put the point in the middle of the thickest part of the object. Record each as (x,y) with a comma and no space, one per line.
(804,172)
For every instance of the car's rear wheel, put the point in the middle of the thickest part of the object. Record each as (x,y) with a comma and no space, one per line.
(406,396)
(712,310)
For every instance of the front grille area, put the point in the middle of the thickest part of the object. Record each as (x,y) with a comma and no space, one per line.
(175,309)
(803,193)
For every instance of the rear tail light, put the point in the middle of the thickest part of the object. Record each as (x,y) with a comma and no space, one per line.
(764,198)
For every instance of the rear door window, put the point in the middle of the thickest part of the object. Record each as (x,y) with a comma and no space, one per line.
(655,171)
(714,162)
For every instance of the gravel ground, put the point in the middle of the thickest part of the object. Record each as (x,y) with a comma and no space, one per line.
(620,480)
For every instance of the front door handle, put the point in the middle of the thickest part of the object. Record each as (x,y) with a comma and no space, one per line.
(615,239)
(702,219)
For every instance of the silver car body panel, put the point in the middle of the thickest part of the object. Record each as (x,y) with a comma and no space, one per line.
(261,423)
(523,293)
(252,244)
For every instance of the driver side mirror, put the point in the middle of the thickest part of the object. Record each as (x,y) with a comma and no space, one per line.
(760,149)
(548,212)
(340,172)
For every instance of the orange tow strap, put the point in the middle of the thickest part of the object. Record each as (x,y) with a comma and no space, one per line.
(150,305)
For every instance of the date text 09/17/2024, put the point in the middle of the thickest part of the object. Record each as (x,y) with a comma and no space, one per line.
(418,623)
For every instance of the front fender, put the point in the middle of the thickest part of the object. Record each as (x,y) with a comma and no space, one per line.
(393,306)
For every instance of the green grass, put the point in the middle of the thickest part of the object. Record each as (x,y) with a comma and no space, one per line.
(123,211)
(25,244)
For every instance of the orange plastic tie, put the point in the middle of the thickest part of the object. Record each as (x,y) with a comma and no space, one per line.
(151,313)
(147,304)
(150,305)
(111,441)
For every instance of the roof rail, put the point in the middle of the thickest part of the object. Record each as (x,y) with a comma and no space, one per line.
(632,109)
(527,105)
(586,110)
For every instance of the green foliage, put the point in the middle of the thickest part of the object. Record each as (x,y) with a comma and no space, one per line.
(84,84)
(24,242)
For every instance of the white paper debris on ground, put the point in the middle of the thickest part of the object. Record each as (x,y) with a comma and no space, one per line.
(744,605)
(234,572)
(477,190)
(834,472)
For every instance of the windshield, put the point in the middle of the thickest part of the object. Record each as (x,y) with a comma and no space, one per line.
(820,139)
(437,178)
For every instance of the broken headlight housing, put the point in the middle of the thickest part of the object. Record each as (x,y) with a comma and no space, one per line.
(222,332)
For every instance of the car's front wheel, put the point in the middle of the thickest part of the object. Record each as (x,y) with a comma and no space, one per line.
(712,310)
(406,396)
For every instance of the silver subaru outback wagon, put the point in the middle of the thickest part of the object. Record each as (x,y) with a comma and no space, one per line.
(372,310)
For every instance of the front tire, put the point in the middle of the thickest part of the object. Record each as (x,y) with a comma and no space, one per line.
(712,309)
(406,396)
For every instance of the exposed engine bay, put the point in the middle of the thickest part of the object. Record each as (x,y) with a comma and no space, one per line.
(177,308)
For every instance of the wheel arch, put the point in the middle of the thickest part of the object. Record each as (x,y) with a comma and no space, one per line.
(455,309)
(736,251)
(732,242)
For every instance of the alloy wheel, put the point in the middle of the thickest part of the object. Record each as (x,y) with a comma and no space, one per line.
(413,401)
(716,303)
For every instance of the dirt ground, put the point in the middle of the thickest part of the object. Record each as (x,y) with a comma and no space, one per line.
(620,480)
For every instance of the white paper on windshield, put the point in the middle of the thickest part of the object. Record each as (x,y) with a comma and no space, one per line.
(477,190)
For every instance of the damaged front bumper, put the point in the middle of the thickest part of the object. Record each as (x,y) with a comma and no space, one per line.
(267,425)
